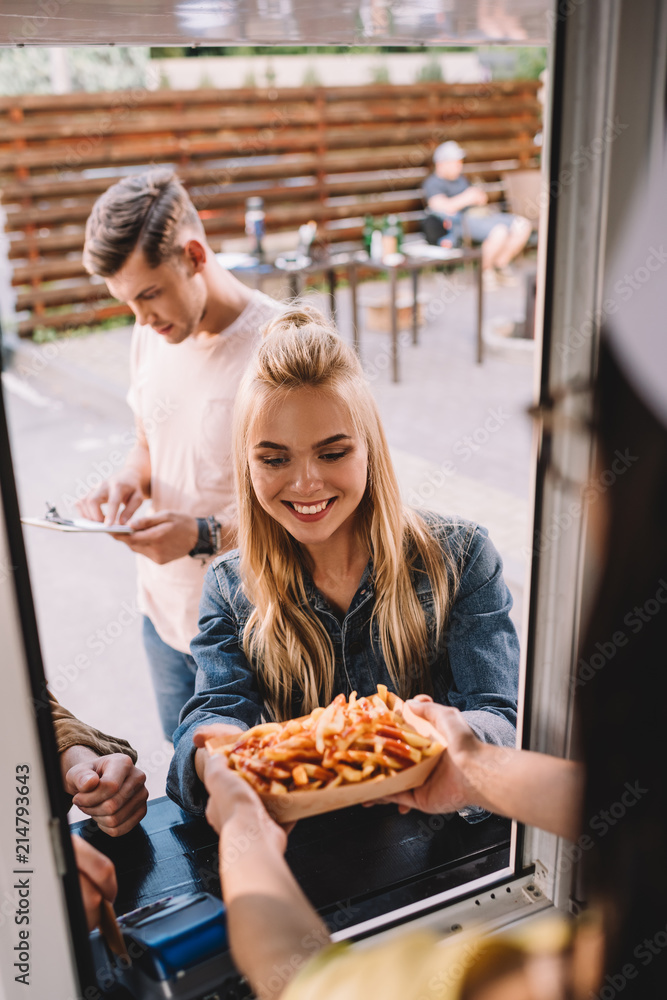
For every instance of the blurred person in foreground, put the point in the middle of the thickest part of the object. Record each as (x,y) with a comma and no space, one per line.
(456,210)
(619,946)
(196,328)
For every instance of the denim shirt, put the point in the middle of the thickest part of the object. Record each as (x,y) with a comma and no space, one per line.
(474,666)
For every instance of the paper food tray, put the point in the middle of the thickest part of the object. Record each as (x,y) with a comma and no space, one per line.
(300,804)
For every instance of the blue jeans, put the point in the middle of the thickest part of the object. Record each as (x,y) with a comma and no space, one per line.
(478,227)
(173,675)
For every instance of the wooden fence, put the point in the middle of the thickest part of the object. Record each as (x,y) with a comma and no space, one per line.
(333,155)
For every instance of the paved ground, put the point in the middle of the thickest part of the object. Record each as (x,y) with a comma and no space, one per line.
(459,437)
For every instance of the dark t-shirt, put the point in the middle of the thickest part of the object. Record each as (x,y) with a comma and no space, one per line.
(440,185)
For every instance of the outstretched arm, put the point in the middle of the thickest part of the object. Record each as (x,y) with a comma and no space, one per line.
(533,788)
(273,929)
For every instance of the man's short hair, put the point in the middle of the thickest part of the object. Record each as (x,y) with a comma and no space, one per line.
(147,211)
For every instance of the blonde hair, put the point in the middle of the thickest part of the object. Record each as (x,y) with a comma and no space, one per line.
(288,646)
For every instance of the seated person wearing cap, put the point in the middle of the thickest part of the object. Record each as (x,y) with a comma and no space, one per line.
(450,196)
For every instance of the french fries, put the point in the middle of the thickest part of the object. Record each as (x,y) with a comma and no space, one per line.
(348,742)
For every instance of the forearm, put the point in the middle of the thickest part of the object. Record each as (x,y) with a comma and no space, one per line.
(72,734)
(533,788)
(450,206)
(273,929)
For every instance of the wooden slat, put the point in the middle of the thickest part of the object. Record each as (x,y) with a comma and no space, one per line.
(79,212)
(62,295)
(65,321)
(47,270)
(252,95)
(86,153)
(141,122)
(334,161)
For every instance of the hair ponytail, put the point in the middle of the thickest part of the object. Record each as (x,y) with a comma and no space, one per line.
(296,317)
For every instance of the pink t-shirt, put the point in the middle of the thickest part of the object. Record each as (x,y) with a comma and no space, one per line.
(182,396)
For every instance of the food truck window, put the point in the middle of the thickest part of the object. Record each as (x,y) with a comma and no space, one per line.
(408,867)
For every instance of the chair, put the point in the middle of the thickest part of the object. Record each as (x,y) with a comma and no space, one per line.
(523,191)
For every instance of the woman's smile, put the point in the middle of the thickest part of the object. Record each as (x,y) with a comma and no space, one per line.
(313,511)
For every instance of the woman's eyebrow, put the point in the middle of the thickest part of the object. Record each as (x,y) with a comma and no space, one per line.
(320,444)
(272,444)
(332,439)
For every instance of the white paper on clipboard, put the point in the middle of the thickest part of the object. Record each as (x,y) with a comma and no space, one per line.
(80,524)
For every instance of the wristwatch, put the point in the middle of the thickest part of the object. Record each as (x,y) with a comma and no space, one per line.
(209,534)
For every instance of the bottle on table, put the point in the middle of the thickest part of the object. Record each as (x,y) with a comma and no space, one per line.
(377,245)
(254,224)
(392,235)
(307,234)
(369,229)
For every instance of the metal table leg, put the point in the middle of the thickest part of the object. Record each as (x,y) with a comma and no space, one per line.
(415,325)
(331,281)
(294,284)
(480,311)
(352,279)
(394,324)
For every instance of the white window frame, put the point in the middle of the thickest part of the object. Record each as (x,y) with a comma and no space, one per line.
(608,63)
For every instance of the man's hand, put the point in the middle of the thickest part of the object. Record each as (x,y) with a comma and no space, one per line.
(97,879)
(163,536)
(110,789)
(124,490)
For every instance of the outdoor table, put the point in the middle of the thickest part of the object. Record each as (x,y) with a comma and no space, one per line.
(351,261)
(325,263)
(415,265)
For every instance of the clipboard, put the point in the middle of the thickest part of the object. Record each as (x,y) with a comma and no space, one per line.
(53,520)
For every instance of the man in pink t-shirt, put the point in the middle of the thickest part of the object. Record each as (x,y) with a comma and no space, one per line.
(197,326)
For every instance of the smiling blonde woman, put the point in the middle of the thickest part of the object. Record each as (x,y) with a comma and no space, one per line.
(337,585)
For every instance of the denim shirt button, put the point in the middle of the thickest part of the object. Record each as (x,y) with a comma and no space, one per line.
(356,647)
(361,592)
